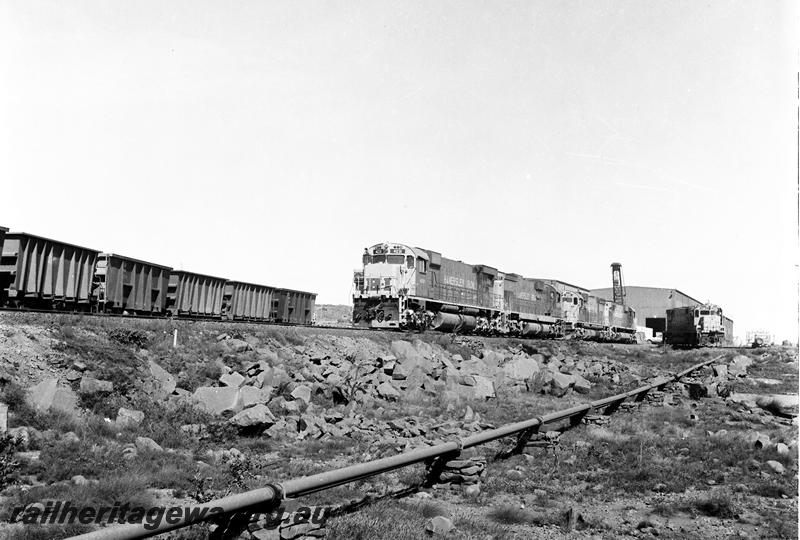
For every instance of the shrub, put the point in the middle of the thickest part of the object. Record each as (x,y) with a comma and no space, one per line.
(129,336)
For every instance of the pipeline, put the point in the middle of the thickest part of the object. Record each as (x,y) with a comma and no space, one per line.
(262,499)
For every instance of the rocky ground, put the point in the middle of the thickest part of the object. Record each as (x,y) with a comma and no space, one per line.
(107,410)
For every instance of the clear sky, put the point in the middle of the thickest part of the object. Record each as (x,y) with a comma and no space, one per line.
(272,141)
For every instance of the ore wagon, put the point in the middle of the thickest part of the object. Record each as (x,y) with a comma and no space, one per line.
(126,285)
(40,272)
(247,301)
(195,295)
(295,307)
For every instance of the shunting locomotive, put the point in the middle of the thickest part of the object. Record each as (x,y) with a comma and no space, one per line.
(413,288)
(702,325)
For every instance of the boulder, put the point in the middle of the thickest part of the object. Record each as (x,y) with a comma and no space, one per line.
(218,400)
(73,375)
(720,371)
(439,525)
(90,385)
(251,395)
(388,392)
(779,404)
(738,366)
(561,383)
(128,418)
(521,368)
(162,383)
(236,345)
(233,379)
(256,416)
(484,387)
(48,395)
(147,444)
(302,393)
(581,385)
(776,466)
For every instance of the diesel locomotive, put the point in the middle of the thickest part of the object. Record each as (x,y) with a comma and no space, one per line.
(413,288)
(702,325)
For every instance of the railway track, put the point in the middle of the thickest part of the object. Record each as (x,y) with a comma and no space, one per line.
(184,318)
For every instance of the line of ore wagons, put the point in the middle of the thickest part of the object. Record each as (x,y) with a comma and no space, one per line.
(38,272)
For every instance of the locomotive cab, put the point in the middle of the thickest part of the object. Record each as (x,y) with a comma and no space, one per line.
(708,320)
(388,276)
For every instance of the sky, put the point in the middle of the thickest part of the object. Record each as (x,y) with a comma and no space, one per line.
(271,142)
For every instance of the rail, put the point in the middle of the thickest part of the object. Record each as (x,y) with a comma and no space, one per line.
(262,499)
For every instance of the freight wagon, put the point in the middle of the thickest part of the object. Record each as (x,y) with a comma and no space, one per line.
(294,307)
(194,295)
(43,273)
(37,272)
(404,287)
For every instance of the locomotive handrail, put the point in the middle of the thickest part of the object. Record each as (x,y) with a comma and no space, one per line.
(265,498)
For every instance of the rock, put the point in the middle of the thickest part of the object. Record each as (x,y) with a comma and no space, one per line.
(232,379)
(785,405)
(472,490)
(79,480)
(720,371)
(758,440)
(73,375)
(521,367)
(514,474)
(738,366)
(146,444)
(469,415)
(439,525)
(581,385)
(250,395)
(78,366)
(302,393)
(255,417)
(782,449)
(48,395)
(70,438)
(484,387)
(162,384)
(776,466)
(90,385)
(128,418)
(236,345)
(561,383)
(388,392)
(218,400)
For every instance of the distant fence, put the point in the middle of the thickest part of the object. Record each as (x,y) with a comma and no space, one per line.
(266,498)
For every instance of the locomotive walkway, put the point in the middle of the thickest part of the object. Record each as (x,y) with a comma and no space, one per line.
(271,496)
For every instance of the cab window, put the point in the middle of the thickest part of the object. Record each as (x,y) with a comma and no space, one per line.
(422,266)
(410,261)
(395,259)
(379,258)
